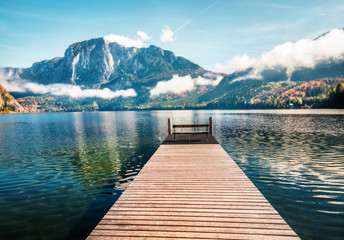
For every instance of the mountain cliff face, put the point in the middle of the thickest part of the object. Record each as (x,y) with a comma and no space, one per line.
(98,63)
(8,103)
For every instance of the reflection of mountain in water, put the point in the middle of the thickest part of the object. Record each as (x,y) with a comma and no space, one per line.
(119,147)
(110,150)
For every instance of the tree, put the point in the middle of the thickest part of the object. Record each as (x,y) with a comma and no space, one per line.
(336,96)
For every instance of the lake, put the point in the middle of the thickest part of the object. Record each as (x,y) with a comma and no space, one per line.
(61,172)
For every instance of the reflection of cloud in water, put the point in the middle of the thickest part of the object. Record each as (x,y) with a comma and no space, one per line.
(95,147)
(129,121)
(108,135)
(79,132)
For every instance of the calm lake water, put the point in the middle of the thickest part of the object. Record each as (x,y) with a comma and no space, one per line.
(61,172)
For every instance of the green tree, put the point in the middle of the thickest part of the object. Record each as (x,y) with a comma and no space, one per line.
(336,96)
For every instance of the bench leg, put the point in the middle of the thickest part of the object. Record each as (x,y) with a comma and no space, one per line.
(174,137)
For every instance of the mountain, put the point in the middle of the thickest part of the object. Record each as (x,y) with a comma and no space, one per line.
(325,69)
(99,74)
(303,61)
(98,64)
(8,103)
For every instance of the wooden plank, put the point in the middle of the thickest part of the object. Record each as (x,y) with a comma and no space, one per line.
(217,225)
(196,210)
(192,191)
(118,234)
(193,206)
(116,212)
(198,198)
(195,219)
(195,229)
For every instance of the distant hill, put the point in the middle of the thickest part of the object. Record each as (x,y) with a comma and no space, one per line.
(8,103)
(326,69)
(283,94)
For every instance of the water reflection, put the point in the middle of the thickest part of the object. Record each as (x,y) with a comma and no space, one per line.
(297,163)
(59,177)
(59,173)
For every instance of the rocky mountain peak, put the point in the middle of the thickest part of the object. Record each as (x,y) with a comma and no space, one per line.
(99,63)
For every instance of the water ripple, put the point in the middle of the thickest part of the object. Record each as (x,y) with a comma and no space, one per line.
(60,173)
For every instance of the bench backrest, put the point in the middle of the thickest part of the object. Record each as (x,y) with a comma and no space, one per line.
(207,125)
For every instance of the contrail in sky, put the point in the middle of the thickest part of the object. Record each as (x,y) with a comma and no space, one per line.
(197,15)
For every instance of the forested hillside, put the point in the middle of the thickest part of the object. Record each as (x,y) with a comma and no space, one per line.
(284,94)
(8,103)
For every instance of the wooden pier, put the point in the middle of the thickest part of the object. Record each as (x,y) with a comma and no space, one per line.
(192,189)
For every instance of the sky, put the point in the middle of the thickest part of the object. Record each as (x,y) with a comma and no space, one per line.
(208,32)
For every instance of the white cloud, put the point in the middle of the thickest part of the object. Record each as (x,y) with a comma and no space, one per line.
(240,62)
(178,84)
(19,85)
(303,53)
(167,35)
(76,92)
(139,42)
(143,36)
(206,81)
(15,86)
(251,75)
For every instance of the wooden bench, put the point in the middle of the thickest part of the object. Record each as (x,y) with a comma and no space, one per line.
(172,128)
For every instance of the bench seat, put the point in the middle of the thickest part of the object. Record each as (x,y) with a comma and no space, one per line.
(208,126)
(190,125)
(192,132)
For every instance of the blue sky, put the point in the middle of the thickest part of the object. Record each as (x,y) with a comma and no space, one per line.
(209,31)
